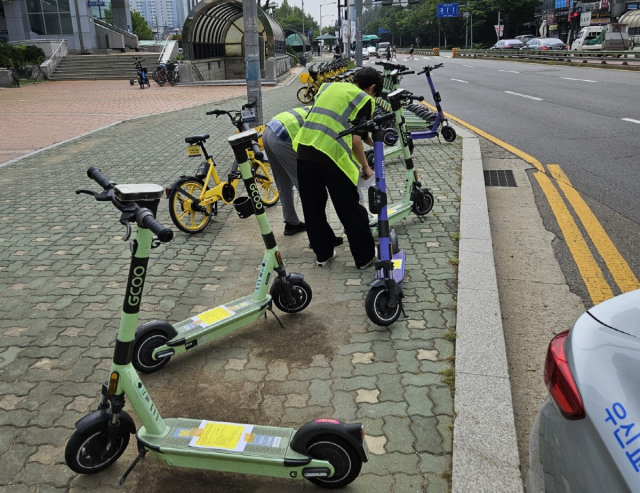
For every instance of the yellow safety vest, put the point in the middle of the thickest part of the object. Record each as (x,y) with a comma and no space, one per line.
(336,104)
(293,120)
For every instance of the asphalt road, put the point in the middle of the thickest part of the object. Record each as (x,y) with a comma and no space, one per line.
(587,120)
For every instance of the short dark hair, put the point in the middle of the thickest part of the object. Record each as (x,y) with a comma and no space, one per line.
(366,77)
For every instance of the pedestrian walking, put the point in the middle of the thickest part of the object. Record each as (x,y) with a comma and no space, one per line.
(393,53)
(331,166)
(278,137)
(388,52)
(411,52)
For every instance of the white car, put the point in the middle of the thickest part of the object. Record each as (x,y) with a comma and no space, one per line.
(372,50)
(365,54)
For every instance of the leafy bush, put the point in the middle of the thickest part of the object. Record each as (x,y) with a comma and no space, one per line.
(19,56)
(293,54)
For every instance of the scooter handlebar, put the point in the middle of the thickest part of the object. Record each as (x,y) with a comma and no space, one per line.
(96,175)
(407,72)
(145,219)
(217,112)
(429,68)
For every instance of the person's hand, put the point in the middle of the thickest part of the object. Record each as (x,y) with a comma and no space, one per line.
(366,172)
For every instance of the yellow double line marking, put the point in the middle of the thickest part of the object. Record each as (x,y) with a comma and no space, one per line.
(597,286)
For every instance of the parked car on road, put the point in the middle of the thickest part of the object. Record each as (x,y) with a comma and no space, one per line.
(545,44)
(507,44)
(586,436)
(365,54)
(585,35)
(373,51)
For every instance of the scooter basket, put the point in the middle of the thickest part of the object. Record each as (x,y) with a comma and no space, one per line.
(244,207)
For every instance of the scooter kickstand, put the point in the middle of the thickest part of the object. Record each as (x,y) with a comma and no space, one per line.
(274,314)
(141,453)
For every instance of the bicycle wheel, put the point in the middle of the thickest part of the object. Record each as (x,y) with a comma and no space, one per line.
(186,215)
(266,184)
(171,77)
(157,76)
(306,94)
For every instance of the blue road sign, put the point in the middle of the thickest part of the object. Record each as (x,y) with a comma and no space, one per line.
(447,10)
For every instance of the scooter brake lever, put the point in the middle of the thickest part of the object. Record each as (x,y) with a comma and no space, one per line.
(124,221)
(87,192)
(100,197)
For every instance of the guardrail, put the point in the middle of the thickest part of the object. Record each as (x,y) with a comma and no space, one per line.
(49,66)
(632,56)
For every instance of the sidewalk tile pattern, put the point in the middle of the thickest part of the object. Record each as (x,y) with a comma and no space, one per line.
(62,272)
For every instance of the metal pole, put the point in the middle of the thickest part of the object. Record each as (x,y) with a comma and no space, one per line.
(358,4)
(471,30)
(498,31)
(252,55)
(303,23)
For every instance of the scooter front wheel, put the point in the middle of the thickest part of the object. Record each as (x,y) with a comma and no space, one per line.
(86,452)
(341,455)
(376,306)
(448,133)
(300,292)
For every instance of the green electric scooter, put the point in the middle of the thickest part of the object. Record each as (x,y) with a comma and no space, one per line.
(327,452)
(156,342)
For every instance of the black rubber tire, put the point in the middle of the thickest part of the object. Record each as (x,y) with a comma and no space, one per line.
(176,201)
(393,241)
(448,133)
(306,95)
(143,348)
(375,306)
(131,82)
(422,205)
(302,293)
(77,453)
(370,158)
(341,455)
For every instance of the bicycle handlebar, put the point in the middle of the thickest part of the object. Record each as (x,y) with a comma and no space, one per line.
(367,125)
(143,216)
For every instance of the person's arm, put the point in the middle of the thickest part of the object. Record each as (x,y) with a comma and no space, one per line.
(358,151)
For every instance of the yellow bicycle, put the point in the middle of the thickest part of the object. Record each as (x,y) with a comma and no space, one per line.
(193,200)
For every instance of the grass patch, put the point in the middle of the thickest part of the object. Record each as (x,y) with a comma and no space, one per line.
(449,378)
(454,236)
(454,261)
(451,335)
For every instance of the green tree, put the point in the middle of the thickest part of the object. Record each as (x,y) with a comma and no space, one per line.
(291,18)
(140,26)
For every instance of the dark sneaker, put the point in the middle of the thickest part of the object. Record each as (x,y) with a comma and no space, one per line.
(325,262)
(291,229)
(339,241)
(369,263)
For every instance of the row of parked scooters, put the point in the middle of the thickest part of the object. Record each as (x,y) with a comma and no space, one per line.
(327,452)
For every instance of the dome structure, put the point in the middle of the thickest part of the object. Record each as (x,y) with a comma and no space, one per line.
(631,19)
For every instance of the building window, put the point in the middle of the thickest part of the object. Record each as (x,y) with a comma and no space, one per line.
(49,17)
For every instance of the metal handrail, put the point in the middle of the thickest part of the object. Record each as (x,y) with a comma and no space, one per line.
(551,54)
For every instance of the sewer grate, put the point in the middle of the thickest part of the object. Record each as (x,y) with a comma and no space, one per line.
(499,178)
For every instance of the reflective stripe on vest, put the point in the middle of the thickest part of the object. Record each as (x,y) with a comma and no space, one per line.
(336,104)
(293,120)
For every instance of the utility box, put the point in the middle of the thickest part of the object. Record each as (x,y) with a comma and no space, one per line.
(616,37)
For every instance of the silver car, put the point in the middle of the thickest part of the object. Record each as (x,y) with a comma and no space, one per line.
(586,437)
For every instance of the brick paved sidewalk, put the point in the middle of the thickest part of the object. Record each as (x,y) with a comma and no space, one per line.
(62,272)
(38,115)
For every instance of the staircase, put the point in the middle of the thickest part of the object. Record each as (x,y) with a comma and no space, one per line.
(103,67)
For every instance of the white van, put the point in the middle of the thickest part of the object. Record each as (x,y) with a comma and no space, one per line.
(382,49)
(587,34)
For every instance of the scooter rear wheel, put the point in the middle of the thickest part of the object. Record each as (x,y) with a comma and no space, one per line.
(301,292)
(85,453)
(143,348)
(422,201)
(376,307)
(341,455)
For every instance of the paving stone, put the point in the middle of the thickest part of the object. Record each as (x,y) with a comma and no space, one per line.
(344,406)
(400,437)
(382,409)
(35,473)
(403,483)
(320,392)
(434,463)
(7,436)
(13,461)
(392,463)
(33,435)
(390,388)
(437,484)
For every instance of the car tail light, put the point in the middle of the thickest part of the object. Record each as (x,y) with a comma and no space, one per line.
(544,47)
(558,379)
(566,47)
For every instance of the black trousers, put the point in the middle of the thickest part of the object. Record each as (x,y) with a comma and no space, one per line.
(315,179)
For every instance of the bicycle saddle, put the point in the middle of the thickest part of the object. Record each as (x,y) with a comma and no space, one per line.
(196,139)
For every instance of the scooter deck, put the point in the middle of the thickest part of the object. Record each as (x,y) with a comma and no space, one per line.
(262,446)
(395,212)
(221,318)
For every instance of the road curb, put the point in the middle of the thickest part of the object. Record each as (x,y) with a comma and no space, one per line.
(485,448)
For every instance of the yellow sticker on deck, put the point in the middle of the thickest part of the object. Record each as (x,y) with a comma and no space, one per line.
(214,315)
(220,435)
(397,263)
(193,151)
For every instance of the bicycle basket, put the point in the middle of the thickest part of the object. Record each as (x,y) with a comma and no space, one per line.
(304,78)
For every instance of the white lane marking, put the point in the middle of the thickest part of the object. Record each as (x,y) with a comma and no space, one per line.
(581,80)
(510,71)
(631,120)
(471,66)
(458,80)
(524,96)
